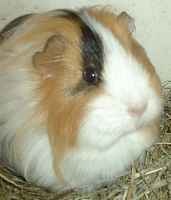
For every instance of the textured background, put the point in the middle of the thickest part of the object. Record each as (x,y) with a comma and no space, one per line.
(153,22)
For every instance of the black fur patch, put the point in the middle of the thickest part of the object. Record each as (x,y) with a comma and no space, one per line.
(91,46)
(9,29)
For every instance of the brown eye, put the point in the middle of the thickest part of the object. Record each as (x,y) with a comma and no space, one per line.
(90,75)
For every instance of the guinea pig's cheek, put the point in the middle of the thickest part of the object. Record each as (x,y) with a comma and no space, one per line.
(150,133)
(153,110)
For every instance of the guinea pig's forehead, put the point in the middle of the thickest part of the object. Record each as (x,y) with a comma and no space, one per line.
(91,48)
(91,45)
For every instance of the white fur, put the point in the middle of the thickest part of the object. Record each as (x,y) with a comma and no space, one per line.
(109,139)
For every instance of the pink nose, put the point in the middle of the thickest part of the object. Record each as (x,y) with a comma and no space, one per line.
(137,111)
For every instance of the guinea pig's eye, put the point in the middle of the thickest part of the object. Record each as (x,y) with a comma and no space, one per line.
(90,75)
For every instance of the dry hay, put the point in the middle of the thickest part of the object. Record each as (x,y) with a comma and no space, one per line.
(148,180)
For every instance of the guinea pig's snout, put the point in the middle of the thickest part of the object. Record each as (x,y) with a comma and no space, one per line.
(137,110)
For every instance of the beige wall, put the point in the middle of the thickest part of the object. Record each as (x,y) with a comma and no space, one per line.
(153,22)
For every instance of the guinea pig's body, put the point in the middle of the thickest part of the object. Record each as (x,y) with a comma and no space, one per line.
(79,98)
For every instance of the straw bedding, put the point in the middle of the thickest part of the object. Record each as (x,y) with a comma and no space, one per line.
(148,180)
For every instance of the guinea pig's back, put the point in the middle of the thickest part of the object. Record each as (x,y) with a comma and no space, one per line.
(24,142)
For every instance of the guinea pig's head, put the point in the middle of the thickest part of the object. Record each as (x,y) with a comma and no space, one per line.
(98,84)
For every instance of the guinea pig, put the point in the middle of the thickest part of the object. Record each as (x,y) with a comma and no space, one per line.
(79,98)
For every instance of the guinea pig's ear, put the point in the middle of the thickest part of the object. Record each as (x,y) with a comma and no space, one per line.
(126,21)
(47,61)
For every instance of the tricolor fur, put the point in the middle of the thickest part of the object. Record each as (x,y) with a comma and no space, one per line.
(57,129)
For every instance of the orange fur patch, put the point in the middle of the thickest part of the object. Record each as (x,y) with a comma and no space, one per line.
(64,111)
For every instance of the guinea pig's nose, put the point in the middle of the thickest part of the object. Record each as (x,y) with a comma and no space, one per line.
(137,110)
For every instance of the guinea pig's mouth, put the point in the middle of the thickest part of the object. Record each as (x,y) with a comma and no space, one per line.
(137,126)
